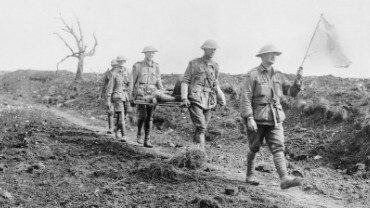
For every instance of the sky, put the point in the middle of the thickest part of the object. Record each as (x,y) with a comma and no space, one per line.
(177,28)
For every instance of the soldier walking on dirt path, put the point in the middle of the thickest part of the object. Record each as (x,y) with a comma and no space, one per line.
(117,92)
(104,82)
(146,78)
(262,112)
(200,90)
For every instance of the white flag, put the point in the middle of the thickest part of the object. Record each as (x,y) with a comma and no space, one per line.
(325,47)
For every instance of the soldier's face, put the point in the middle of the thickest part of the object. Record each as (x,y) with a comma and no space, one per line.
(269,58)
(121,63)
(209,52)
(149,55)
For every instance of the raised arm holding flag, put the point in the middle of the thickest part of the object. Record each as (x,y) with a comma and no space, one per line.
(324,46)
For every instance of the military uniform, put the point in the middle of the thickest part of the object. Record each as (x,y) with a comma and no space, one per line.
(104,83)
(201,78)
(261,110)
(118,91)
(146,82)
(260,100)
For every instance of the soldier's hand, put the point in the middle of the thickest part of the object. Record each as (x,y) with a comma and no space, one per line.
(221,104)
(299,73)
(132,103)
(108,103)
(252,125)
(129,109)
(185,103)
(109,107)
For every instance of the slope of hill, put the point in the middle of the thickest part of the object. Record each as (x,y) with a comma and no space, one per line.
(327,125)
(339,108)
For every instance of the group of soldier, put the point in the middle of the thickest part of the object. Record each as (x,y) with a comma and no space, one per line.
(200,92)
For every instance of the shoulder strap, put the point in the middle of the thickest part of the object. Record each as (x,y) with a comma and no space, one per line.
(137,77)
(274,97)
(208,76)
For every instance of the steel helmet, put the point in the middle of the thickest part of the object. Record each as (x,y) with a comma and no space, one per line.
(121,58)
(149,49)
(209,44)
(268,49)
(114,62)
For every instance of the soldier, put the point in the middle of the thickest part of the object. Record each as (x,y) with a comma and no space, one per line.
(147,81)
(106,77)
(117,91)
(121,60)
(200,90)
(262,112)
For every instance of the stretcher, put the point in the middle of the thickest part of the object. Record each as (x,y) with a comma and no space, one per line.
(169,104)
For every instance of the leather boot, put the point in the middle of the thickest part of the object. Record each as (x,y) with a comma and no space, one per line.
(122,128)
(286,180)
(140,123)
(196,138)
(289,182)
(116,133)
(147,142)
(251,158)
(148,128)
(110,124)
(202,141)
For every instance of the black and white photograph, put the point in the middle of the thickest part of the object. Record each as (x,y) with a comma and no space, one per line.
(184,103)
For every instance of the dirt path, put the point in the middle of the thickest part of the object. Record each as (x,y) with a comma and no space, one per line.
(298,197)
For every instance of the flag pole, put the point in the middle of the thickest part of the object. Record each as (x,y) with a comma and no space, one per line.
(309,45)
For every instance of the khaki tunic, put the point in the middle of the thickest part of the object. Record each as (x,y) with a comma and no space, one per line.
(104,82)
(119,85)
(202,87)
(146,79)
(261,95)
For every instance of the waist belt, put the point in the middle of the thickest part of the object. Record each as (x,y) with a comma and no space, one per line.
(273,106)
(147,85)
(204,89)
(207,89)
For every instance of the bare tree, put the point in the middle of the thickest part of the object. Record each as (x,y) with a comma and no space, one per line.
(81,52)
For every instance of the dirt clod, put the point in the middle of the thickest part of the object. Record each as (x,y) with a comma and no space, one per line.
(171,144)
(2,167)
(192,159)
(231,191)
(159,171)
(360,166)
(6,195)
(264,168)
(39,166)
(297,173)
(208,203)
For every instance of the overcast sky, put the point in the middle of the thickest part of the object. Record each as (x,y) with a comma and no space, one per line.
(177,28)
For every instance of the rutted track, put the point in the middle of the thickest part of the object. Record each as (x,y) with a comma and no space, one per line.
(300,198)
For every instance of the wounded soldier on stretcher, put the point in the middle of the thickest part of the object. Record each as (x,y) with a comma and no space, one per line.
(153,95)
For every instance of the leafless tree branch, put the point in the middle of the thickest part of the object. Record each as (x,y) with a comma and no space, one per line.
(77,35)
(92,51)
(71,31)
(65,42)
(81,42)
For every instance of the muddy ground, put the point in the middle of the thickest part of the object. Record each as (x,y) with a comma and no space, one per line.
(55,153)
